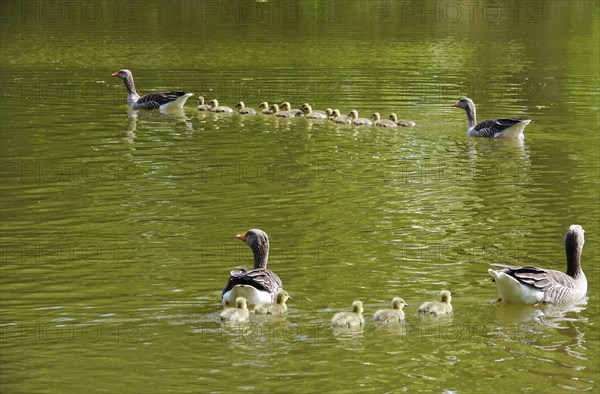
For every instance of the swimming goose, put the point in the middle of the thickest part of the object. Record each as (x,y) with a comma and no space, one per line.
(377,121)
(402,122)
(339,118)
(282,114)
(359,121)
(238,314)
(201,105)
(277,308)
(435,308)
(215,107)
(350,319)
(160,100)
(309,113)
(392,315)
(492,128)
(532,285)
(264,106)
(242,109)
(286,106)
(258,285)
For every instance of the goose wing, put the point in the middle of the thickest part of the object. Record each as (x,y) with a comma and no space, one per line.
(555,285)
(155,100)
(490,127)
(260,278)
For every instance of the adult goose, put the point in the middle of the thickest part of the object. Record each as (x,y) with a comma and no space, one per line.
(350,319)
(492,128)
(160,100)
(435,308)
(258,285)
(532,285)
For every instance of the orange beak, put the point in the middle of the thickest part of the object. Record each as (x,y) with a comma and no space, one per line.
(454,104)
(241,236)
(115,74)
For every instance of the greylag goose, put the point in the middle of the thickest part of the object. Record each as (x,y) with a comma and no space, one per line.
(264,107)
(402,122)
(258,285)
(492,128)
(435,308)
(277,308)
(310,114)
(377,121)
(395,314)
(532,285)
(339,118)
(201,105)
(238,314)
(282,114)
(215,107)
(242,109)
(286,106)
(350,319)
(160,100)
(359,121)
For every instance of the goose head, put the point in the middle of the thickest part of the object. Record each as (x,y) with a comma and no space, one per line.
(263,105)
(398,303)
(286,106)
(468,105)
(200,100)
(353,114)
(393,117)
(259,243)
(335,113)
(329,112)
(274,108)
(306,108)
(376,116)
(213,103)
(446,297)
(240,105)
(123,74)
(357,307)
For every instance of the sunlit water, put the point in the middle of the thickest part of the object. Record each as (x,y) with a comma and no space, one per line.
(118,227)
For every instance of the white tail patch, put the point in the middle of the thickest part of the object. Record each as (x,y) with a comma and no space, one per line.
(179,103)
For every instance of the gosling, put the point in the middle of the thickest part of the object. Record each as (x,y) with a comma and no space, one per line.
(274,308)
(239,314)
(350,319)
(435,308)
(396,314)
(201,105)
(402,122)
(243,110)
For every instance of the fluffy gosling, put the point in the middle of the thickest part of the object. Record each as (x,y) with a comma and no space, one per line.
(396,314)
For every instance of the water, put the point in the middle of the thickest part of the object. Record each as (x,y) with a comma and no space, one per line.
(118,227)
